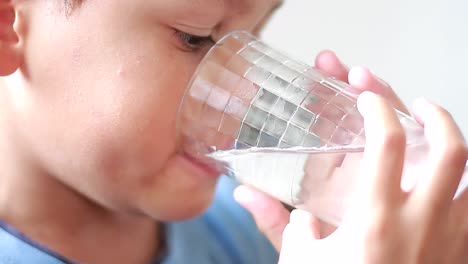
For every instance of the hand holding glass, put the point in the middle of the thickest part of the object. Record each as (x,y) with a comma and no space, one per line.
(281,126)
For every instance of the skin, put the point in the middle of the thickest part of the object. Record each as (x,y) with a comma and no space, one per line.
(384,224)
(88,112)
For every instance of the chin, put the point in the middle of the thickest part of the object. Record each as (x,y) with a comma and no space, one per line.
(184,208)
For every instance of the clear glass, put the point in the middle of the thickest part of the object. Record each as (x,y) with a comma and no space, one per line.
(281,126)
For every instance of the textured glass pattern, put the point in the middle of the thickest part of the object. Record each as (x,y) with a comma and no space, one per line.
(256,97)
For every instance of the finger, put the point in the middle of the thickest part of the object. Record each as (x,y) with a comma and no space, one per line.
(460,204)
(326,229)
(382,165)
(362,79)
(306,223)
(328,62)
(463,186)
(269,214)
(446,159)
(298,238)
(461,200)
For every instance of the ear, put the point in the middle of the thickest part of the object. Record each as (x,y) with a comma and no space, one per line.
(10,57)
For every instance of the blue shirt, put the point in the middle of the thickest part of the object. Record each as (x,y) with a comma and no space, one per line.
(225,233)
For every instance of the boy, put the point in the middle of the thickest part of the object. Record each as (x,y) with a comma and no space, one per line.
(91,168)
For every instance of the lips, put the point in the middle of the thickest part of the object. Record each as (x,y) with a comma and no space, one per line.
(200,167)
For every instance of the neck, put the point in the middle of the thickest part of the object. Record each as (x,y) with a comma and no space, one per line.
(49,212)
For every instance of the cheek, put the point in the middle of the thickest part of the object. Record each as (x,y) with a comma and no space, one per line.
(138,121)
(131,114)
(107,135)
(133,131)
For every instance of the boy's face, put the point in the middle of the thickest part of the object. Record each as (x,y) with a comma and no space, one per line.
(101,91)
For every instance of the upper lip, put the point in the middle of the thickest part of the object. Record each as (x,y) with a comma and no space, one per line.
(212,168)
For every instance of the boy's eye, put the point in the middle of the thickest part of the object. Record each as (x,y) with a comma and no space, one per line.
(192,42)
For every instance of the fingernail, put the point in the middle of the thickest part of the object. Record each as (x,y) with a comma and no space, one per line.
(357,76)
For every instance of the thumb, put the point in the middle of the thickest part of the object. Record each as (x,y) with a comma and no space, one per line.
(269,214)
(300,238)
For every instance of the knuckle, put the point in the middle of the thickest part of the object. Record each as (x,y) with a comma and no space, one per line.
(439,116)
(393,138)
(446,138)
(380,226)
(442,113)
(377,233)
(455,152)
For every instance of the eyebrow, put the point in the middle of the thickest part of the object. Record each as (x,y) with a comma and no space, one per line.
(223,4)
(198,13)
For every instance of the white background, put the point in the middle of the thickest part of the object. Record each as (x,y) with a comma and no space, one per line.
(419,46)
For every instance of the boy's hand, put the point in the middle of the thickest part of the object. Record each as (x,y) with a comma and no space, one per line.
(270,215)
(385,225)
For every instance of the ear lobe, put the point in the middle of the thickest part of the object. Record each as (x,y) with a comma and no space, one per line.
(10,56)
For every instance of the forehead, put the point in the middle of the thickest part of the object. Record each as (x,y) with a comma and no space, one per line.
(205,10)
